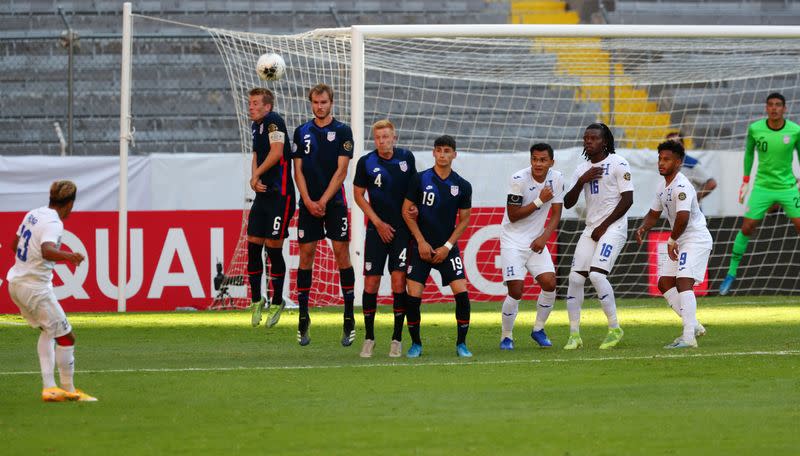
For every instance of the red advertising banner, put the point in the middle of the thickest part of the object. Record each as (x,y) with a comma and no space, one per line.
(173,254)
(657,251)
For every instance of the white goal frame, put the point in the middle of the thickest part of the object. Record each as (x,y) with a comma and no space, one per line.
(358,34)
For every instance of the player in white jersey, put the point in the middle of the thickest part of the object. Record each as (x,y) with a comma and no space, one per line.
(534,192)
(605,180)
(30,284)
(689,245)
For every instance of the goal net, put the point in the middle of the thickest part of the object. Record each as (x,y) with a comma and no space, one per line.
(497,95)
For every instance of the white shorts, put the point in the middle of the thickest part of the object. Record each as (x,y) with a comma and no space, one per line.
(601,254)
(692,261)
(39,306)
(516,262)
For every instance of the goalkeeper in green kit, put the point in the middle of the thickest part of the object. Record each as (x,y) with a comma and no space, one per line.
(775,139)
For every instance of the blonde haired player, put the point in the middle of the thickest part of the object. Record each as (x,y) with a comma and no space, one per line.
(689,245)
(30,284)
(534,192)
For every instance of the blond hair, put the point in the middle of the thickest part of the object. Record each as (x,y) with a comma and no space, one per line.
(383,123)
(62,192)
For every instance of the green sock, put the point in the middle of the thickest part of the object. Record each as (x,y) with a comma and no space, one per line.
(739,247)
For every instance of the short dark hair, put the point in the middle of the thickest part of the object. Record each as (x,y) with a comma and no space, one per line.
(776,95)
(673,146)
(541,147)
(267,97)
(608,137)
(445,140)
(321,88)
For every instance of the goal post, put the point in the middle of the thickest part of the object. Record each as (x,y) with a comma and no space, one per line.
(498,88)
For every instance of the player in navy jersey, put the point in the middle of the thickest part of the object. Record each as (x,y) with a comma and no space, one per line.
(273,206)
(440,195)
(385,174)
(321,153)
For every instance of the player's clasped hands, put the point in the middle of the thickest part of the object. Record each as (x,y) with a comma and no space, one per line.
(440,254)
(315,208)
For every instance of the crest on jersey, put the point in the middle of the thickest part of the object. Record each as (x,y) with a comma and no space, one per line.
(301,233)
(786,139)
(454,190)
(368,265)
(403,166)
(681,196)
(348,146)
(331,135)
(272,127)
(627,176)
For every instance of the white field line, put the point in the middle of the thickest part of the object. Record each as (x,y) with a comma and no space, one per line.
(13,323)
(423,364)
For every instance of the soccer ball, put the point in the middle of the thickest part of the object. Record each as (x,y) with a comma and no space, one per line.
(270,67)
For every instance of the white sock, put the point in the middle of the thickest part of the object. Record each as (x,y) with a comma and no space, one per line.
(65,360)
(688,314)
(575,300)
(606,295)
(510,309)
(47,360)
(544,305)
(673,299)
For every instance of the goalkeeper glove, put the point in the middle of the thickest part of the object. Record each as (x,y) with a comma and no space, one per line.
(744,188)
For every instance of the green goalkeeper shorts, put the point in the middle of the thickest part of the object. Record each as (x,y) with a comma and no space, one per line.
(762,199)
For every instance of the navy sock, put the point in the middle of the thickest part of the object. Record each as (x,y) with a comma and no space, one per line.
(399,308)
(277,272)
(413,318)
(369,304)
(462,316)
(303,289)
(255,267)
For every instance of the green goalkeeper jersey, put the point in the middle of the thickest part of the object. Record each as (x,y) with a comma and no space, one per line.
(775,149)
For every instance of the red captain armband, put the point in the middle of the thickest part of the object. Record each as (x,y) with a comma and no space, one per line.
(745,179)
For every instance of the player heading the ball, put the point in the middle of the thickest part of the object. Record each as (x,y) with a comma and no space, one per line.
(273,205)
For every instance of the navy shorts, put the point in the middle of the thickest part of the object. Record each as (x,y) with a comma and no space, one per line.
(376,251)
(452,268)
(334,224)
(270,216)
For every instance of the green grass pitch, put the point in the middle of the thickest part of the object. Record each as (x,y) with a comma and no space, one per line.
(208,383)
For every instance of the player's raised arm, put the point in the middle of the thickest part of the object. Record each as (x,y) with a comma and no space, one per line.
(571,197)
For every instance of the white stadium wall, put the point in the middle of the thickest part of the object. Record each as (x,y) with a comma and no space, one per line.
(185,215)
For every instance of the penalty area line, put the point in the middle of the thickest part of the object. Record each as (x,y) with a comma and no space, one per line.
(424,364)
